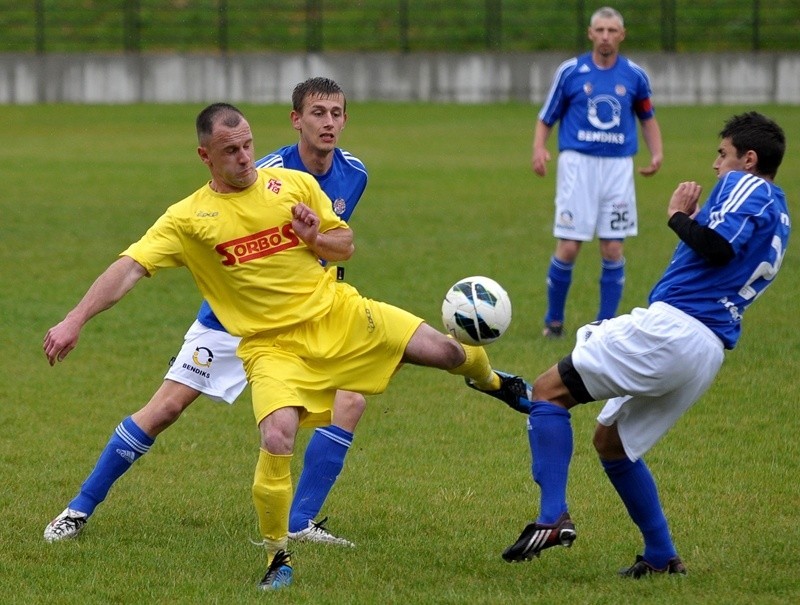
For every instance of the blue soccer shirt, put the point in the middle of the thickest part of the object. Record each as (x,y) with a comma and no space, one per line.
(344,184)
(751,214)
(598,108)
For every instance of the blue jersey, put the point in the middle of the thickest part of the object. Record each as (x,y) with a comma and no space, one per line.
(751,214)
(597,107)
(344,183)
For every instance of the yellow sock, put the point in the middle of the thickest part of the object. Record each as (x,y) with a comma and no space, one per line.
(272,497)
(478,369)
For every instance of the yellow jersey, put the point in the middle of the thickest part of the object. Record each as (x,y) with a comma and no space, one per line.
(246,260)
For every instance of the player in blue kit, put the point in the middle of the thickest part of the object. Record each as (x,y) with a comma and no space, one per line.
(653,364)
(207,362)
(597,98)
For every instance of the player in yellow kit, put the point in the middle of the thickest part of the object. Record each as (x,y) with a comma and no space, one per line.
(252,240)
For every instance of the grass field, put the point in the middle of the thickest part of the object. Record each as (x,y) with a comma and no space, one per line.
(437,482)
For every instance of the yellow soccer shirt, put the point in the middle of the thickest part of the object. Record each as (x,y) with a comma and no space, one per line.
(246,260)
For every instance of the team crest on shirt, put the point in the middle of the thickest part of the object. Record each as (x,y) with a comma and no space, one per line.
(339,206)
(620,90)
(587,88)
(274,185)
(604,112)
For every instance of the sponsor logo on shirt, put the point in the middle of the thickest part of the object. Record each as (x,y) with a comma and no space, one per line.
(590,136)
(258,245)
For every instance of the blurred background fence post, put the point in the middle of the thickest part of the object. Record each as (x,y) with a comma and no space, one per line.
(388,25)
(466,51)
(131,26)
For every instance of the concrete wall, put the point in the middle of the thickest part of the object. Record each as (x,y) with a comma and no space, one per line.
(678,79)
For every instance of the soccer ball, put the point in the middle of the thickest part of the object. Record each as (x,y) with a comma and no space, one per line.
(476,310)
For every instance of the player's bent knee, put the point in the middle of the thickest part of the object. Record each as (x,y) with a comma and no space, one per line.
(278,431)
(350,402)
(450,352)
(607,442)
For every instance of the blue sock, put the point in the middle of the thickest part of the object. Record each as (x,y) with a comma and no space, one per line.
(612,280)
(559,279)
(550,438)
(127,444)
(322,464)
(636,487)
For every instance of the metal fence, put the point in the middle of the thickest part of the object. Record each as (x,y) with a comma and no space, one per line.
(186,26)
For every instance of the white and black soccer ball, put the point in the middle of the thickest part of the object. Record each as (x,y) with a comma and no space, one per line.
(476,310)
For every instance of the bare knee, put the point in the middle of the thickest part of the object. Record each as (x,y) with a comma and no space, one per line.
(607,442)
(611,249)
(348,407)
(567,250)
(429,347)
(165,407)
(449,353)
(453,353)
(278,431)
(549,386)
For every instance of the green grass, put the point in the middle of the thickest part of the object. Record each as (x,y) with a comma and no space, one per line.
(437,482)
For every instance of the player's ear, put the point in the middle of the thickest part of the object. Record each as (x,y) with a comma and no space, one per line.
(750,161)
(295,118)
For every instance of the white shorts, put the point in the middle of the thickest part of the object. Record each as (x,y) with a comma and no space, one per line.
(207,362)
(594,195)
(651,365)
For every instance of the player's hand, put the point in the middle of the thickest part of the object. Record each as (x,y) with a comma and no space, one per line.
(305,223)
(684,199)
(60,340)
(650,170)
(539,161)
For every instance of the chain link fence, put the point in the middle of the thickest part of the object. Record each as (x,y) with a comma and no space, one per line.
(195,26)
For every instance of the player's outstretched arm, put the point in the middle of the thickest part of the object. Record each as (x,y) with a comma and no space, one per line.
(114,283)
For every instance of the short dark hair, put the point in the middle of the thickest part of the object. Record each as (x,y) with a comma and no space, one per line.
(321,87)
(752,131)
(206,119)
